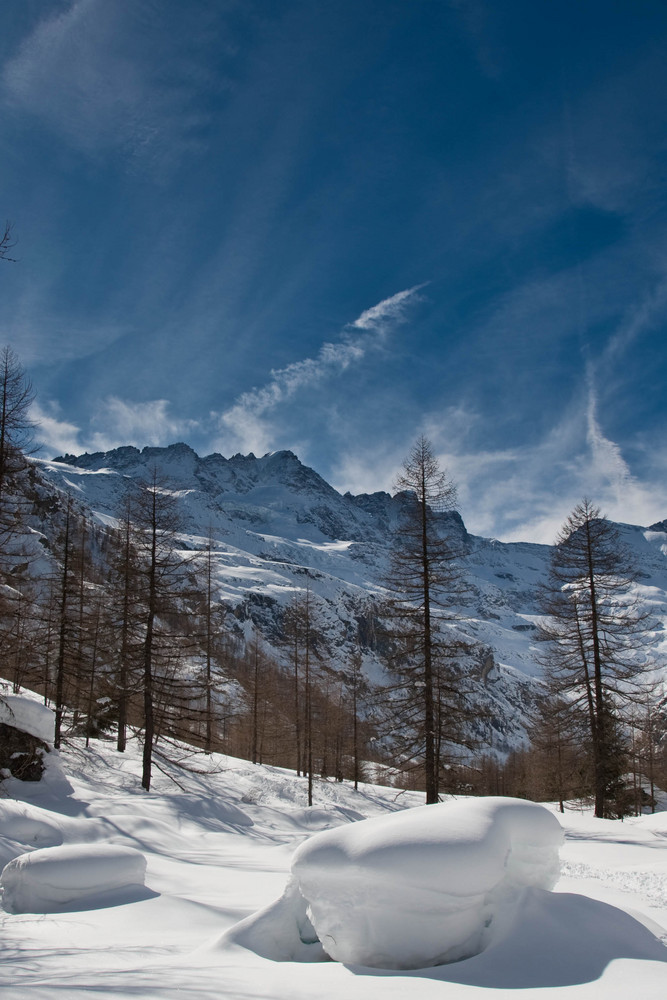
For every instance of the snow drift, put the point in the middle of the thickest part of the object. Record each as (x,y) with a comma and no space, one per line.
(411,890)
(49,879)
(207,870)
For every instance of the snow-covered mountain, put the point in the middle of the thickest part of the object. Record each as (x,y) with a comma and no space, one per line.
(278,527)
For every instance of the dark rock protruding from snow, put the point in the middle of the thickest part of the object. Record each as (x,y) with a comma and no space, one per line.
(22,754)
(26,726)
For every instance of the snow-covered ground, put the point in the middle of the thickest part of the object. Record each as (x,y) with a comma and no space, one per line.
(218,847)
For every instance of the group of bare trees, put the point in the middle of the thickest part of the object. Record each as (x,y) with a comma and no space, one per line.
(15,399)
(598,728)
(121,629)
(126,640)
(99,621)
(303,711)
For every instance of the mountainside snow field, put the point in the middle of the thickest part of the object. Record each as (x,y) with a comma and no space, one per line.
(277,526)
(209,887)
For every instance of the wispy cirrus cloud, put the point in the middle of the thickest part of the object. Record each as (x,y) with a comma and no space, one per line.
(521,492)
(641,318)
(116,422)
(525,492)
(607,464)
(391,310)
(122,421)
(82,73)
(247,424)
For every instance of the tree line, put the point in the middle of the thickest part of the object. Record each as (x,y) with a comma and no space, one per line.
(120,627)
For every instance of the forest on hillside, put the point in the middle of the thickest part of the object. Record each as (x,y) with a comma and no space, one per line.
(118,625)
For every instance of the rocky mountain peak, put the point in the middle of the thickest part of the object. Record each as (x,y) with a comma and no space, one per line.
(279,526)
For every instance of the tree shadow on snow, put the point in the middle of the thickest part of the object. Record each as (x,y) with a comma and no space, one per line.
(104,900)
(552,940)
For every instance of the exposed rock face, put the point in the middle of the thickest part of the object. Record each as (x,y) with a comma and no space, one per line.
(21,753)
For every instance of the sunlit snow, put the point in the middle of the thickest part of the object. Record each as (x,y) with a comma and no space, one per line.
(414,889)
(28,715)
(220,846)
(53,878)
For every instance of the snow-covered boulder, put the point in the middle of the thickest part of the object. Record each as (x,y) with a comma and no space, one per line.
(53,878)
(28,715)
(413,889)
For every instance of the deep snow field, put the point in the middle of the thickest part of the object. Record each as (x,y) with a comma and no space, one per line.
(218,847)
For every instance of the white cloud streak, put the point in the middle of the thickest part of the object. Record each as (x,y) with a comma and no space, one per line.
(606,461)
(56,436)
(246,424)
(391,310)
(116,422)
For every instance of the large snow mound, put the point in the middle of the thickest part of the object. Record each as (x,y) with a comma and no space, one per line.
(53,878)
(27,715)
(411,890)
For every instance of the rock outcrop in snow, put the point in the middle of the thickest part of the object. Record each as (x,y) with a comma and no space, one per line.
(26,730)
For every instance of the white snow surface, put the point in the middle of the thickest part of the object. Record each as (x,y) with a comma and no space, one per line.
(28,715)
(52,878)
(219,846)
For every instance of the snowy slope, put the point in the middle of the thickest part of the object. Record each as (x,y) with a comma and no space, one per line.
(279,527)
(218,847)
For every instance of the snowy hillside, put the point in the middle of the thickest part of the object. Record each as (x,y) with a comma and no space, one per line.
(217,847)
(277,526)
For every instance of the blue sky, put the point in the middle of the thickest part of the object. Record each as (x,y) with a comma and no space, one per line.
(333,225)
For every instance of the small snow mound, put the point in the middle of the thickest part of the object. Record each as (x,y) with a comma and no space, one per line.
(27,715)
(25,829)
(413,889)
(52,878)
